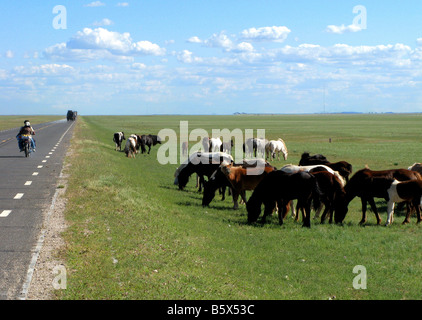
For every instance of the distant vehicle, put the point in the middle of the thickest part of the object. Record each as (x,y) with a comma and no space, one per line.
(71,115)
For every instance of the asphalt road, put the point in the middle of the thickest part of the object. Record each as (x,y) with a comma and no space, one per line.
(27,188)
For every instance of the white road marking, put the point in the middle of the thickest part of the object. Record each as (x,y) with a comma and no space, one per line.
(35,174)
(44,161)
(18,196)
(5,213)
(50,153)
(47,156)
(39,167)
(28,183)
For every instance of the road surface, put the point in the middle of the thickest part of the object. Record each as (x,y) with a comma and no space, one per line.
(27,188)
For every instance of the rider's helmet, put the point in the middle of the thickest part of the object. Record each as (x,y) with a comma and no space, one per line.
(27,124)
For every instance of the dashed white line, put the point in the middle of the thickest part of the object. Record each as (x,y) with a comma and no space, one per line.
(18,196)
(47,156)
(44,161)
(39,167)
(5,213)
(35,174)
(28,183)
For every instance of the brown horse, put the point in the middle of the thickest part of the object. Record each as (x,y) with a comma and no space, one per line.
(368,184)
(242,179)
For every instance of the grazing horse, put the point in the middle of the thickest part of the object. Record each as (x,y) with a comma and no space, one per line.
(219,180)
(280,188)
(307,159)
(342,167)
(118,138)
(250,147)
(291,168)
(276,146)
(185,148)
(215,145)
(201,163)
(132,145)
(244,178)
(227,146)
(416,167)
(149,140)
(368,184)
(410,191)
(332,195)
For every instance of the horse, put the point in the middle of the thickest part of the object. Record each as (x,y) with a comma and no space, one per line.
(184,148)
(132,145)
(307,159)
(276,146)
(291,168)
(215,145)
(410,191)
(201,163)
(227,146)
(149,140)
(368,184)
(118,138)
(342,167)
(280,188)
(250,147)
(332,195)
(244,178)
(416,167)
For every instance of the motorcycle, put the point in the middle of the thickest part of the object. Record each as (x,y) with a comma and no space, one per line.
(26,142)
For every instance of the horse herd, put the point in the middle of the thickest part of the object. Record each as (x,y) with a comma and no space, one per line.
(135,142)
(315,183)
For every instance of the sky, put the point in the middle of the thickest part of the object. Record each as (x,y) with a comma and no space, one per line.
(128,57)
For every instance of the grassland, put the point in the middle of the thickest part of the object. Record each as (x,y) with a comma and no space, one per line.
(10,122)
(133,235)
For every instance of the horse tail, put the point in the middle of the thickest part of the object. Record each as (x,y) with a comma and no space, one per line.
(317,193)
(253,206)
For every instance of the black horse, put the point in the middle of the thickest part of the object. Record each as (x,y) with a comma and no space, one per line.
(149,140)
(280,188)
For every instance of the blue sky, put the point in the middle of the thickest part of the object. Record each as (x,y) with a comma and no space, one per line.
(210,57)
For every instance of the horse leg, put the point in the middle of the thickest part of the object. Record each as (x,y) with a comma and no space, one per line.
(243,195)
(201,182)
(363,220)
(307,218)
(282,211)
(223,191)
(375,210)
(235,200)
(318,212)
(324,214)
(390,212)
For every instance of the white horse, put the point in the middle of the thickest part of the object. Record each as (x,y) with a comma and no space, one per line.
(215,144)
(276,146)
(260,147)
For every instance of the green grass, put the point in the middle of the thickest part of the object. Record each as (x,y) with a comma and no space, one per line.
(134,235)
(10,122)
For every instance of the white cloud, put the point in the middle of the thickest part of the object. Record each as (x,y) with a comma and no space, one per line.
(99,43)
(343,29)
(194,39)
(277,34)
(45,69)
(103,22)
(220,40)
(123,4)
(9,54)
(95,4)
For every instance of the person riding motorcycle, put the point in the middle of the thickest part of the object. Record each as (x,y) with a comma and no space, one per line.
(26,130)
